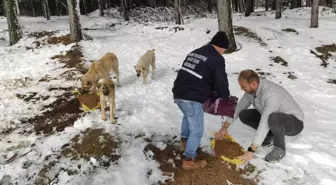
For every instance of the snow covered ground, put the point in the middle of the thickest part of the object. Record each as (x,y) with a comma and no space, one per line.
(149,109)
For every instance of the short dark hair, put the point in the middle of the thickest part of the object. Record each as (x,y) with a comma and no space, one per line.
(248,75)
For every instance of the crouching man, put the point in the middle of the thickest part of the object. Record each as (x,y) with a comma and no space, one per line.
(276,114)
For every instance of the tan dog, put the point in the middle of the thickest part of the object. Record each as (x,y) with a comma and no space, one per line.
(142,66)
(107,91)
(101,69)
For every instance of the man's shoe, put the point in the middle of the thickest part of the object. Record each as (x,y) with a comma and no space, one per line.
(183,144)
(268,141)
(275,155)
(193,165)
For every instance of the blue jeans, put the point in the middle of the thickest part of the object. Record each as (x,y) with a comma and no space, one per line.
(192,125)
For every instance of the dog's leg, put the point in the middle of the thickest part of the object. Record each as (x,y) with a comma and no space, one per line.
(112,106)
(153,63)
(144,75)
(94,88)
(102,105)
(153,68)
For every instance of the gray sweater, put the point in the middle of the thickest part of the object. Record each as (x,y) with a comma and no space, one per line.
(270,97)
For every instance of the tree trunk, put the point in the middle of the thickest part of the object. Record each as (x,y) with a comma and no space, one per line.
(308,3)
(57,9)
(299,3)
(323,3)
(177,6)
(128,5)
(101,8)
(14,27)
(152,3)
(124,9)
(33,7)
(248,8)
(84,7)
(241,6)
(210,6)
(74,20)
(334,5)
(46,9)
(236,5)
(252,5)
(314,14)
(293,4)
(266,5)
(225,21)
(18,7)
(278,9)
(274,4)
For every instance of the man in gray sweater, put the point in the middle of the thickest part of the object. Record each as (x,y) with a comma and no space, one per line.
(276,114)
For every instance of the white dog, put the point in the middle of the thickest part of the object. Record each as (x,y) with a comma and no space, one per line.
(142,67)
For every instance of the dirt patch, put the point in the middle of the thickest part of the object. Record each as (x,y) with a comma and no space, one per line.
(215,173)
(239,30)
(31,96)
(92,143)
(47,174)
(327,50)
(50,39)
(73,75)
(230,51)
(291,76)
(42,34)
(279,60)
(332,81)
(175,28)
(60,114)
(64,39)
(161,27)
(228,149)
(18,83)
(47,78)
(290,30)
(72,58)
(263,74)
(166,157)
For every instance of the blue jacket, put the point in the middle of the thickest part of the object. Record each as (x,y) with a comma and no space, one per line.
(201,74)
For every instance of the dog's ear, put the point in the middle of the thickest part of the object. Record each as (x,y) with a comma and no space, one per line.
(134,67)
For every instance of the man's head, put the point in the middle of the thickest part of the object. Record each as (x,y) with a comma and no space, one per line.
(220,41)
(248,81)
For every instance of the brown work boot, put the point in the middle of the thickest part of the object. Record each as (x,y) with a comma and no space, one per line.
(183,145)
(193,165)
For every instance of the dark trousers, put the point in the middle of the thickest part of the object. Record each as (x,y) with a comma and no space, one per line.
(280,124)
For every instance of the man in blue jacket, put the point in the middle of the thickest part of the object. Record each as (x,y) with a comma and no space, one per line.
(202,73)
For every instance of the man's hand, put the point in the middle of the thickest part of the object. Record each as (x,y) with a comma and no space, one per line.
(221,134)
(246,157)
